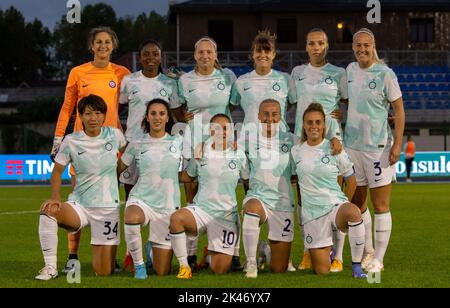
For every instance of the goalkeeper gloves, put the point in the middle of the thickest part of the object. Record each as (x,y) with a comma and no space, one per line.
(56,144)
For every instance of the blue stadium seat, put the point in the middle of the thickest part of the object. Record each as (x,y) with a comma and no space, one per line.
(413,87)
(401,78)
(439,78)
(429,78)
(420,78)
(447,77)
(441,87)
(432,87)
(410,78)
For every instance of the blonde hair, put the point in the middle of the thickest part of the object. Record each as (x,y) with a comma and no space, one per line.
(213,42)
(370,33)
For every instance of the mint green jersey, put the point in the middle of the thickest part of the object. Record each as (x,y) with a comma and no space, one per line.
(136,90)
(251,89)
(370,93)
(271,167)
(94,160)
(317,170)
(158,163)
(206,96)
(326,85)
(218,174)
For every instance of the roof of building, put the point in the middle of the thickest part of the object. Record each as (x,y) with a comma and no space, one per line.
(201,6)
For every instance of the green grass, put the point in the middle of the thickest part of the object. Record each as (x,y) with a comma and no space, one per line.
(418,255)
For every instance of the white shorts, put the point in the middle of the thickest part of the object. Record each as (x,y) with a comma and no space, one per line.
(159,224)
(104,223)
(222,238)
(280,224)
(319,232)
(372,169)
(130,175)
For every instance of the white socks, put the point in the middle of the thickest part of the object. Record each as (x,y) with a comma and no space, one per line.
(251,229)
(368,226)
(383,227)
(356,237)
(134,243)
(178,241)
(48,236)
(338,243)
(191,245)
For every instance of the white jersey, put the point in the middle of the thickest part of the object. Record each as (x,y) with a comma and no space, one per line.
(317,170)
(136,90)
(158,163)
(206,96)
(95,162)
(218,174)
(370,93)
(271,167)
(251,89)
(326,85)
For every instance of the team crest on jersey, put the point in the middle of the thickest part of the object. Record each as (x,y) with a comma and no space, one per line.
(276,87)
(325,160)
(309,239)
(172,149)
(372,85)
(108,146)
(112,84)
(285,148)
(163,92)
(221,86)
(232,165)
(126,175)
(328,80)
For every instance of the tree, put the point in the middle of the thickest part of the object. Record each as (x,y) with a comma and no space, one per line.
(26,55)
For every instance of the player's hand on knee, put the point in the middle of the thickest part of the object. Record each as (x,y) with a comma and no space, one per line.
(198,151)
(51,206)
(337,114)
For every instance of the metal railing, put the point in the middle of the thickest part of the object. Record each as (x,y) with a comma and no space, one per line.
(287,60)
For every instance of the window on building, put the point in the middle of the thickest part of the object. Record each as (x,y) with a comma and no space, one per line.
(422,30)
(287,30)
(222,32)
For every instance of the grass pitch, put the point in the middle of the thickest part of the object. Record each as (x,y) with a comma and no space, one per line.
(418,255)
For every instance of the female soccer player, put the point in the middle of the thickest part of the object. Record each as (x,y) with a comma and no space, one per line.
(94,201)
(139,88)
(270,197)
(324,83)
(100,77)
(203,92)
(156,195)
(263,82)
(215,209)
(372,89)
(324,205)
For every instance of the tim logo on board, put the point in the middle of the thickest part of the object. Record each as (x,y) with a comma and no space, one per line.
(27,168)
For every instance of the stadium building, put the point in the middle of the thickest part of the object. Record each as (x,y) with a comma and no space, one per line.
(413,38)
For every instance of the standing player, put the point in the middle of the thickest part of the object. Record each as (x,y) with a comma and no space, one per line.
(137,90)
(270,197)
(324,83)
(99,77)
(94,201)
(156,195)
(324,205)
(204,92)
(215,209)
(263,82)
(372,88)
